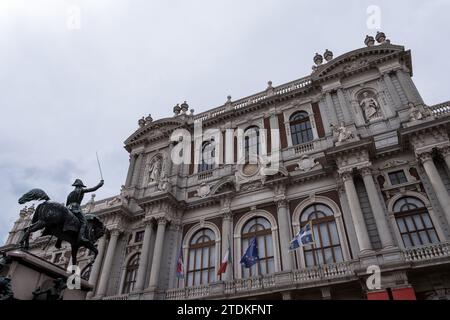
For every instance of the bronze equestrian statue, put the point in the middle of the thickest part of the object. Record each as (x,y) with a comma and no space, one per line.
(65,223)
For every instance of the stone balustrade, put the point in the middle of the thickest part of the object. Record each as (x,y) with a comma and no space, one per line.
(303,148)
(244,102)
(117,297)
(441,109)
(242,286)
(427,252)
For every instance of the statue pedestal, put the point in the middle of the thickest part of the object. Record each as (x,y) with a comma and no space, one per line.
(29,272)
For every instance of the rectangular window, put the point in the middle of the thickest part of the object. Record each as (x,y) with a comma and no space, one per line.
(139,236)
(397,177)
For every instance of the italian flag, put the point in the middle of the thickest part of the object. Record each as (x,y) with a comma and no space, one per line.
(225,261)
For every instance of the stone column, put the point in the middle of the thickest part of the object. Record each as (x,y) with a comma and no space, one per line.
(446,154)
(130,170)
(344,106)
(355,209)
(103,284)
(392,91)
(438,186)
(143,260)
(331,109)
(227,243)
(95,272)
(377,209)
(285,234)
(157,253)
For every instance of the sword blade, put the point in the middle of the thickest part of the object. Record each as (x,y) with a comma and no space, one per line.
(99,167)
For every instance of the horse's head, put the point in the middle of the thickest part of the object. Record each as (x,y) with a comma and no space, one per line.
(97,227)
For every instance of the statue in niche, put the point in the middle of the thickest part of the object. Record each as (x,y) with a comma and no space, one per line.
(370,107)
(155,170)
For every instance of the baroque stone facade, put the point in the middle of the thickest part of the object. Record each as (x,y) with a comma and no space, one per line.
(360,156)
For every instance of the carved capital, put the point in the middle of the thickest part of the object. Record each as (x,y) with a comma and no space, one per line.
(282,203)
(148,222)
(227,215)
(425,156)
(115,231)
(162,221)
(445,151)
(346,175)
(366,171)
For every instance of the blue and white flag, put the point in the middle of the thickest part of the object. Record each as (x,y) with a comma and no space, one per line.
(303,237)
(251,255)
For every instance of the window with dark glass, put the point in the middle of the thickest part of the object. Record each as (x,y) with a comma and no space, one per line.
(260,228)
(139,236)
(207,157)
(301,131)
(201,257)
(397,177)
(131,273)
(251,144)
(327,247)
(414,222)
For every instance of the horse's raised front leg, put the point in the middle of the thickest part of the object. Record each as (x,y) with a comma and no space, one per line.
(25,240)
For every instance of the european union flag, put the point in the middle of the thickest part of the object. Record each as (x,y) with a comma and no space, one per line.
(303,237)
(251,255)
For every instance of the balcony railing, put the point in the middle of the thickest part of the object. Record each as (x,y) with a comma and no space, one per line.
(118,297)
(441,109)
(304,148)
(205,175)
(188,293)
(326,272)
(241,103)
(427,252)
(236,287)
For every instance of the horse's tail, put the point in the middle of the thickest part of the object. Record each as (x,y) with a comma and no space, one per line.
(34,194)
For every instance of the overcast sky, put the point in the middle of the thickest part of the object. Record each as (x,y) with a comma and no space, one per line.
(72,85)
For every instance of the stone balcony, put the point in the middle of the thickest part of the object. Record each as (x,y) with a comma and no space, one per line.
(309,277)
(428,253)
(311,147)
(326,275)
(297,279)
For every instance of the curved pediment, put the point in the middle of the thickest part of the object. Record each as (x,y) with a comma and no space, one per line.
(358,60)
(161,128)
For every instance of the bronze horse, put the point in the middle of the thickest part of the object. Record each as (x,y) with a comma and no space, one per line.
(58,221)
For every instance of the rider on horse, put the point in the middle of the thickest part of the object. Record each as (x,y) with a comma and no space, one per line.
(73,202)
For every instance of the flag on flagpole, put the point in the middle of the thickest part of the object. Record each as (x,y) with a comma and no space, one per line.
(225,261)
(303,237)
(180,265)
(251,254)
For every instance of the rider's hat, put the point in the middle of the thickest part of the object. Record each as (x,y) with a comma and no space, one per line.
(78,183)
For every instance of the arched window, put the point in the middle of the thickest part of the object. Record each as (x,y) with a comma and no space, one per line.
(207,157)
(327,247)
(202,254)
(261,228)
(414,223)
(251,137)
(301,131)
(131,273)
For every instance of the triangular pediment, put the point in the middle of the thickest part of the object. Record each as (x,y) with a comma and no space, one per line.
(357,60)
